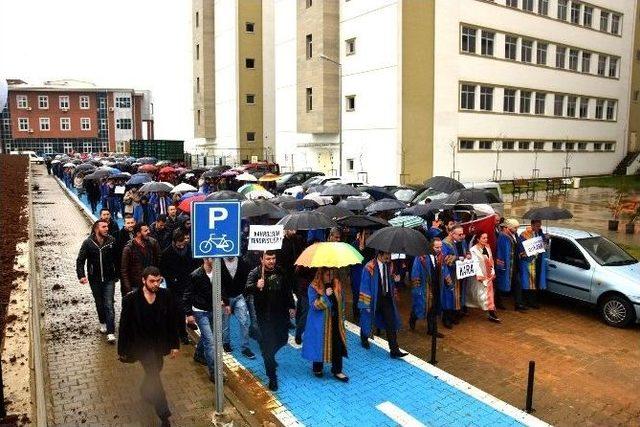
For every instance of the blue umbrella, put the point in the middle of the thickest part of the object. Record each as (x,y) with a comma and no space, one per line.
(189,194)
(139,179)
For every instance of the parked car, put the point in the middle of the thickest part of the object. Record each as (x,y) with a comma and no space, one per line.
(33,157)
(407,193)
(591,268)
(260,168)
(291,179)
(317,180)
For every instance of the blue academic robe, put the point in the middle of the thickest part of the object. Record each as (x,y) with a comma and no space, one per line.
(451,292)
(533,270)
(422,273)
(154,200)
(316,343)
(506,256)
(369,297)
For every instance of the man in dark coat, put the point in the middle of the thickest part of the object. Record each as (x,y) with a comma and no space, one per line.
(161,232)
(234,273)
(141,252)
(92,187)
(292,246)
(274,306)
(124,236)
(113,226)
(148,332)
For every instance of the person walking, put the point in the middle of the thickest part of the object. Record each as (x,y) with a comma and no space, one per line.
(533,275)
(507,262)
(144,211)
(93,193)
(98,252)
(105,214)
(172,217)
(161,232)
(234,273)
(425,294)
(377,303)
(141,252)
(325,335)
(47,162)
(292,246)
(148,332)
(453,249)
(480,288)
(274,306)
(124,236)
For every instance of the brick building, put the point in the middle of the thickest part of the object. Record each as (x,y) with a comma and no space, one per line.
(68,115)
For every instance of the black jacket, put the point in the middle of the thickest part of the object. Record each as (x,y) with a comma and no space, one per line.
(292,247)
(163,237)
(100,260)
(272,303)
(232,287)
(198,293)
(177,269)
(141,335)
(123,237)
(113,228)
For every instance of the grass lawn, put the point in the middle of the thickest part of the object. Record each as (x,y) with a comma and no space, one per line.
(626,182)
(633,250)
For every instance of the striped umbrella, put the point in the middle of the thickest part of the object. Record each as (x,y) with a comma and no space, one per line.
(408,221)
(247,188)
(329,254)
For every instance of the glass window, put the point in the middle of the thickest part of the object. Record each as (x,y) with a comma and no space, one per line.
(509,104)
(485,145)
(512,3)
(468,40)
(524,145)
(65,123)
(350,46)
(575,12)
(123,124)
(467,97)
(564,251)
(250,63)
(351,102)
(84,102)
(538,145)
(557,146)
(85,123)
(543,7)
(541,53)
(123,102)
(560,56)
(486,42)
(587,18)
(605,252)
(23,124)
(250,27)
(602,64)
(584,107)
(613,67)
(486,98)
(309,97)
(45,124)
(586,62)
(562,10)
(250,98)
(611,105)
(508,145)
(569,146)
(22,101)
(510,45)
(63,102)
(540,102)
(558,102)
(251,136)
(527,5)
(525,51)
(599,108)
(309,46)
(604,20)
(573,59)
(609,147)
(525,102)
(466,144)
(582,146)
(43,102)
(615,24)
(571,105)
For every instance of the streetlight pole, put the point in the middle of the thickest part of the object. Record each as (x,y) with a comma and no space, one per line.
(326,58)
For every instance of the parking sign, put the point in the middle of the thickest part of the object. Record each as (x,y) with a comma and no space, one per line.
(215,229)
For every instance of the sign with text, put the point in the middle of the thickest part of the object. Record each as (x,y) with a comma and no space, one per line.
(265,237)
(215,229)
(466,268)
(533,246)
(119,189)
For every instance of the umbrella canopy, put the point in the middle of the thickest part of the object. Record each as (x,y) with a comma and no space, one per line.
(354,204)
(183,187)
(139,179)
(185,205)
(230,172)
(320,200)
(121,166)
(69,165)
(85,167)
(443,184)
(409,221)
(399,240)
(246,177)
(98,174)
(147,168)
(156,187)
(282,198)
(306,220)
(426,209)
(226,195)
(472,196)
(384,205)
(268,177)
(211,174)
(163,163)
(121,175)
(190,194)
(333,211)
(255,208)
(55,161)
(316,189)
(329,254)
(167,170)
(259,194)
(362,221)
(340,190)
(247,188)
(147,160)
(299,204)
(377,193)
(548,213)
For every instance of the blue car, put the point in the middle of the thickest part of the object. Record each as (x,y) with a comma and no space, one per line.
(593,269)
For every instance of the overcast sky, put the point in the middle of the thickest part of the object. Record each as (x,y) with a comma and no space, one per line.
(140,44)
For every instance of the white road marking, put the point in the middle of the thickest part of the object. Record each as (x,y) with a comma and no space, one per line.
(398,415)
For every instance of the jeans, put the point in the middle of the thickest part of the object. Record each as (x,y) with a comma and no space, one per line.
(151,389)
(205,348)
(239,309)
(301,313)
(103,295)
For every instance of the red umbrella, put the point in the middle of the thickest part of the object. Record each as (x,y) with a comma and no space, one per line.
(185,205)
(167,170)
(147,168)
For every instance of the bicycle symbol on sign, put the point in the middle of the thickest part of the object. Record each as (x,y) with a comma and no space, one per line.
(219,242)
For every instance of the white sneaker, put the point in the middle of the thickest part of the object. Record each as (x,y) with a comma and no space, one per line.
(111,339)
(103,328)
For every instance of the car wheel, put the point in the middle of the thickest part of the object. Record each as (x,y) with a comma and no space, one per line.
(616,311)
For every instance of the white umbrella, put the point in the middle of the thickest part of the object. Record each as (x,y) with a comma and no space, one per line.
(183,187)
(246,177)
(483,209)
(321,200)
(259,194)
(68,165)
(55,161)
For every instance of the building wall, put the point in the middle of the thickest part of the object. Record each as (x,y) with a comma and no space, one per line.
(634,106)
(268,79)
(203,69)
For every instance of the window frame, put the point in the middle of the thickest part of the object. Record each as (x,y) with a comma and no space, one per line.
(44,124)
(561,53)
(585,60)
(468,38)
(250,136)
(486,98)
(561,12)
(308,46)
(350,103)
(487,42)
(350,46)
(511,47)
(85,121)
(541,53)
(43,105)
(62,101)
(526,51)
(247,62)
(65,122)
(525,102)
(309,99)
(466,95)
(84,98)
(540,96)
(509,100)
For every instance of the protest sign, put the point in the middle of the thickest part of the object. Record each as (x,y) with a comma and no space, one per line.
(265,237)
(466,268)
(533,246)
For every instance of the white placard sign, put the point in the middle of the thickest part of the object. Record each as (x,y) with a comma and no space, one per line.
(466,268)
(265,237)
(533,246)
(119,189)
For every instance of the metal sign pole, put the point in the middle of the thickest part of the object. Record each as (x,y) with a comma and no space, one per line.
(217,335)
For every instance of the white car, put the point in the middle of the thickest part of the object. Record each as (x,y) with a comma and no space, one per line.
(316,180)
(33,157)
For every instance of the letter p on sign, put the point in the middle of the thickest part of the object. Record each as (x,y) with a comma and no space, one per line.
(217,214)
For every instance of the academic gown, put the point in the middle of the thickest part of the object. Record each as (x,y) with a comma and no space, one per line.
(422,292)
(368,299)
(506,257)
(317,344)
(451,292)
(533,270)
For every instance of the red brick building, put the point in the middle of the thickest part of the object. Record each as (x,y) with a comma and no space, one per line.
(67,115)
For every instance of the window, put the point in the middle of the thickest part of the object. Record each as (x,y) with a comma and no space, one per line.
(468,40)
(597,146)
(197,84)
(564,251)
(198,114)
(582,146)
(350,164)
(251,136)
(45,124)
(250,98)
(613,67)
(562,10)
(543,7)
(85,123)
(197,51)
(571,105)
(350,46)
(103,124)
(22,101)
(102,103)
(510,45)
(584,107)
(569,146)
(524,145)
(466,144)
(65,123)
(43,102)
(249,63)
(525,102)
(541,53)
(558,102)
(512,3)
(123,102)
(615,24)
(6,125)
(609,147)
(560,56)
(468,97)
(509,104)
(351,102)
(587,18)
(540,102)
(486,98)
(485,145)
(586,62)
(575,12)
(63,102)
(250,27)
(309,46)
(557,146)
(84,102)
(573,59)
(599,108)
(23,124)
(309,98)
(123,123)
(525,51)
(602,64)
(538,145)
(527,5)
(309,3)
(611,105)
(197,19)
(604,20)
(486,42)
(508,145)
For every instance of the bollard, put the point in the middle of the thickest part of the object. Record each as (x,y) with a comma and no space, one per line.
(3,410)
(532,371)
(434,338)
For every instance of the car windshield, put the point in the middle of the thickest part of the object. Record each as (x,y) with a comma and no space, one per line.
(283,178)
(312,181)
(430,194)
(405,194)
(605,252)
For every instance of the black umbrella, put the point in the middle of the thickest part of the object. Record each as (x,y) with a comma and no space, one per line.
(220,169)
(255,208)
(399,240)
(226,195)
(334,212)
(426,209)
(211,174)
(85,167)
(306,220)
(139,179)
(362,221)
(377,193)
(316,189)
(120,176)
(282,198)
(548,213)
(443,184)
(155,187)
(354,205)
(384,205)
(298,204)
(340,190)
(148,160)
(472,196)
(98,174)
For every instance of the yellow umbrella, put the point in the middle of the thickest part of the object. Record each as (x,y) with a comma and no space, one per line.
(268,177)
(329,254)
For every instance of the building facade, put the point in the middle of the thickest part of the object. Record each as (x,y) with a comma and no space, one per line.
(65,115)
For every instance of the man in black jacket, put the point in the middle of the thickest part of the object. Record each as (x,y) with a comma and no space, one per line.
(234,273)
(122,238)
(161,232)
(148,332)
(98,252)
(113,226)
(274,305)
(292,246)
